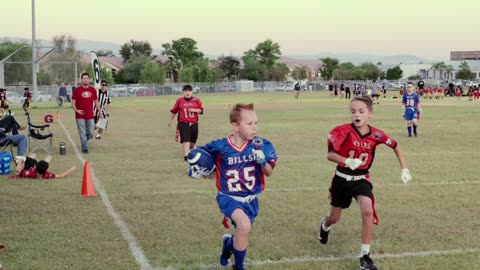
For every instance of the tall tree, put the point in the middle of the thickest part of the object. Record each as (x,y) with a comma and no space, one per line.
(230,67)
(135,48)
(465,73)
(153,72)
(15,73)
(278,73)
(299,73)
(131,71)
(268,52)
(64,43)
(395,73)
(329,64)
(182,52)
(372,72)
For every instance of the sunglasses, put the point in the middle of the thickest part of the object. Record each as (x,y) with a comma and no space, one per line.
(104,84)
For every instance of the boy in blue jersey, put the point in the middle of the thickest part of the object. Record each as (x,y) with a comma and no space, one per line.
(242,160)
(412,110)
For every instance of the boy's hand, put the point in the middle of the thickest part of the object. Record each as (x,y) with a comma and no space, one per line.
(406,176)
(353,163)
(259,156)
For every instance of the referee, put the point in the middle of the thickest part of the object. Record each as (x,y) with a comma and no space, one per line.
(104,102)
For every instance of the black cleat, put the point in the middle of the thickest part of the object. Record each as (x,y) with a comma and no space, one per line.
(415,134)
(185,159)
(366,263)
(322,234)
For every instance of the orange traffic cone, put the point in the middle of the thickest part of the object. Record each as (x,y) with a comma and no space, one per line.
(88,189)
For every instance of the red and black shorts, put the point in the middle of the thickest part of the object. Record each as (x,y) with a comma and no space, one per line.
(188,132)
(342,191)
(26,103)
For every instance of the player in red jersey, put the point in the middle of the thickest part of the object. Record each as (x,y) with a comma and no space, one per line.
(30,168)
(476,94)
(28,98)
(353,146)
(188,108)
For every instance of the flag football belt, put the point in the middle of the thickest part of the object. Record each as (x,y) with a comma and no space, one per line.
(245,199)
(351,177)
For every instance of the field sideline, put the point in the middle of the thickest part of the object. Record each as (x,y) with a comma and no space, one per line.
(150,215)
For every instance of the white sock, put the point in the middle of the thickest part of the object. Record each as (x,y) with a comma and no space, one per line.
(324,227)
(365,249)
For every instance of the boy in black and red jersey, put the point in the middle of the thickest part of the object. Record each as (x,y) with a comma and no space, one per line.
(188,108)
(28,98)
(353,146)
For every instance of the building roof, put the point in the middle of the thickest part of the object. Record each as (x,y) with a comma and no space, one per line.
(464,55)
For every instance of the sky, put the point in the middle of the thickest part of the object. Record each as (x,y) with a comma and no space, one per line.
(425,28)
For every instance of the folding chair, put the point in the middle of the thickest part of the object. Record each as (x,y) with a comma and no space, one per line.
(41,135)
(7,144)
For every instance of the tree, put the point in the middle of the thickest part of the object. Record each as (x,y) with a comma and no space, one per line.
(414,77)
(329,65)
(342,73)
(278,72)
(395,73)
(299,73)
(153,72)
(105,74)
(268,53)
(131,71)
(372,72)
(449,70)
(229,66)
(15,73)
(104,53)
(64,43)
(186,74)
(440,66)
(135,48)
(253,69)
(182,52)
(465,74)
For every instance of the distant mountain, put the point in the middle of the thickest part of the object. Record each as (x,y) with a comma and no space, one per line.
(82,45)
(358,58)
(355,58)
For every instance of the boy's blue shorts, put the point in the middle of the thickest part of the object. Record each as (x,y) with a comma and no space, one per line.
(227,205)
(410,114)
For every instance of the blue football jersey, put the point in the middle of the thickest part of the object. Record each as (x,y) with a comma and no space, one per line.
(238,173)
(411,101)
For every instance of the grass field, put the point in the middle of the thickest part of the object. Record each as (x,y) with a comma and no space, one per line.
(150,215)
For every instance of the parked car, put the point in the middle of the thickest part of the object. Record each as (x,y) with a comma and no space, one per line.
(42,96)
(14,97)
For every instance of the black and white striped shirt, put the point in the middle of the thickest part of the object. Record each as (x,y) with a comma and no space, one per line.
(103,100)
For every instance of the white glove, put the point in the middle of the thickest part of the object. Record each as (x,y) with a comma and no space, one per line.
(406,176)
(353,163)
(259,156)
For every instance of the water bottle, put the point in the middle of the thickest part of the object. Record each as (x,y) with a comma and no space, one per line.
(63,148)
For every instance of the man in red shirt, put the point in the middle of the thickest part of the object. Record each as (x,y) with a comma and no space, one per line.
(352,146)
(83,99)
(188,109)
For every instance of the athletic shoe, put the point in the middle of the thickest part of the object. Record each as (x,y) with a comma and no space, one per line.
(226,254)
(85,151)
(366,263)
(185,159)
(415,134)
(98,137)
(322,234)
(410,135)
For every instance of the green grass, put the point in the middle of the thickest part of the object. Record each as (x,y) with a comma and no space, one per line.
(45,224)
